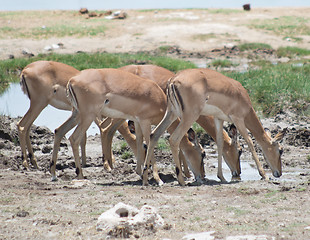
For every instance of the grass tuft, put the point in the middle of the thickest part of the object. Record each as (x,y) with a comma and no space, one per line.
(253,46)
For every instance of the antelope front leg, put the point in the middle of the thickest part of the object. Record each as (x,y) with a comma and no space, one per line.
(140,148)
(243,131)
(220,145)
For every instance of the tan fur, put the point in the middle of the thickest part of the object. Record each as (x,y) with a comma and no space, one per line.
(200,91)
(231,149)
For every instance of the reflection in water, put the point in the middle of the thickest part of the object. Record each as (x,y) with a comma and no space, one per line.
(248,173)
(15,103)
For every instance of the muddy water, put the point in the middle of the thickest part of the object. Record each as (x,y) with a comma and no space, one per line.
(15,103)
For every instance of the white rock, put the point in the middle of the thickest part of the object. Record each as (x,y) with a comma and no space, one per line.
(122,214)
(199,236)
(250,237)
(147,214)
(48,48)
(55,46)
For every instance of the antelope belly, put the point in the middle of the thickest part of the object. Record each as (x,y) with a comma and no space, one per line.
(60,104)
(211,110)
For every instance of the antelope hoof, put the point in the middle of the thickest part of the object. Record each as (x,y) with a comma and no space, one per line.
(181,182)
(160,183)
(223,180)
(34,163)
(107,167)
(235,174)
(54,179)
(237,178)
(25,164)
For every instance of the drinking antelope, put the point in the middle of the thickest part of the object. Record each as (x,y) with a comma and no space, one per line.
(202,92)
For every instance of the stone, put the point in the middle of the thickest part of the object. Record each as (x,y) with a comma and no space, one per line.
(125,218)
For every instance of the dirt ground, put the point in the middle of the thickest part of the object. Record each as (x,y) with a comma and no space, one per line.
(33,207)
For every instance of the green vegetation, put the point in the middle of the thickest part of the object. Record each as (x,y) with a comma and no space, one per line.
(10,69)
(163,145)
(225,11)
(253,46)
(286,25)
(203,37)
(237,211)
(274,87)
(292,51)
(271,88)
(222,63)
(46,24)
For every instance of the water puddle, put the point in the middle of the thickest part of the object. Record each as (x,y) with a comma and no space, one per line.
(15,103)
(248,173)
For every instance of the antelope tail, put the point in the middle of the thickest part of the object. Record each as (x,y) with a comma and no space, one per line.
(23,85)
(71,96)
(175,99)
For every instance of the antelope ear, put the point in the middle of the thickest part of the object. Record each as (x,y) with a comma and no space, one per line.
(233,133)
(131,126)
(192,137)
(279,135)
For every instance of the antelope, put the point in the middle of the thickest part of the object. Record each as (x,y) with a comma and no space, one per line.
(119,95)
(202,92)
(44,82)
(231,149)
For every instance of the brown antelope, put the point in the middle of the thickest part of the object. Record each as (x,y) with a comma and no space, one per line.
(195,92)
(231,149)
(119,95)
(44,83)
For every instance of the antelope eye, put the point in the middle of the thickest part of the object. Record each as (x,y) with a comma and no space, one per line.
(203,154)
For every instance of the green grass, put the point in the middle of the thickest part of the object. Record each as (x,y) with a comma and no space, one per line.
(47,24)
(163,145)
(203,37)
(271,88)
(224,11)
(274,87)
(285,25)
(253,46)
(222,63)
(292,51)
(9,69)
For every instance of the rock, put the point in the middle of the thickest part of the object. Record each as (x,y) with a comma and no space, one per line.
(199,236)
(46,149)
(22,213)
(119,214)
(117,15)
(27,53)
(250,237)
(122,219)
(83,11)
(246,7)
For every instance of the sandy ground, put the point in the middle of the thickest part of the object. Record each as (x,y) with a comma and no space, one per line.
(148,30)
(33,207)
